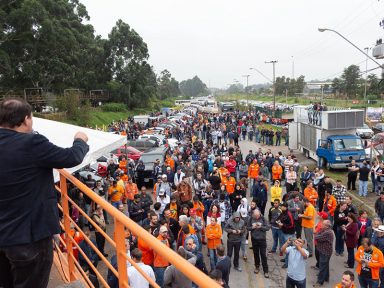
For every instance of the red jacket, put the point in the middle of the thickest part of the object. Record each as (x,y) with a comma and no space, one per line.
(231,165)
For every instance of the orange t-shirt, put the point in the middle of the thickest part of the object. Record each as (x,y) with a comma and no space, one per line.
(309,211)
(159,261)
(131,190)
(116,193)
(147,252)
(311,195)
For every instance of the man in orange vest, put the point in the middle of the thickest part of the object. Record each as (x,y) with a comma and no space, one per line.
(230,183)
(310,193)
(253,172)
(277,171)
(131,189)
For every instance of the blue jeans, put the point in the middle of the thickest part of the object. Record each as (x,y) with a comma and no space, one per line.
(290,283)
(212,258)
(368,283)
(159,274)
(339,243)
(363,188)
(116,204)
(277,237)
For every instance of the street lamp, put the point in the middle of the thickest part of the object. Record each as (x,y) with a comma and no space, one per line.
(273,62)
(334,31)
(246,88)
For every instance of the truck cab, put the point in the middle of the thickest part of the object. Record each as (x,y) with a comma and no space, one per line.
(337,151)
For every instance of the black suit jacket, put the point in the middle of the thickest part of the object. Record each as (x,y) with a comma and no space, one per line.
(28,202)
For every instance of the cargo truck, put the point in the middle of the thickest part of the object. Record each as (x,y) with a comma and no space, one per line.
(328,137)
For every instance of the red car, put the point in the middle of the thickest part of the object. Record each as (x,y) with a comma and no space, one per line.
(129,151)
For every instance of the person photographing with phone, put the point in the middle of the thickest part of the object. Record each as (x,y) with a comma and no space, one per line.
(297,258)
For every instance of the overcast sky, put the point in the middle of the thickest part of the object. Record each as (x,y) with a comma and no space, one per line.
(219,40)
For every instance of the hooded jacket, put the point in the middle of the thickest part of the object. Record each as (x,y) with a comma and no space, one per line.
(243,209)
(232,225)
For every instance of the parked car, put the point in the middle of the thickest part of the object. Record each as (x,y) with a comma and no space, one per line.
(142,144)
(127,151)
(365,132)
(149,157)
(378,128)
(155,137)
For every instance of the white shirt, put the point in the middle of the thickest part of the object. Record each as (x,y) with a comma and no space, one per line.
(136,280)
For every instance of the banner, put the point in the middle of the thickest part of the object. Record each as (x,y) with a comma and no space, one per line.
(374,114)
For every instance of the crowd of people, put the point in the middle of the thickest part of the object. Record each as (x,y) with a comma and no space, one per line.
(207,192)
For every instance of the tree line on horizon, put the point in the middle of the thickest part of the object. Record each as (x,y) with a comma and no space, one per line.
(49,44)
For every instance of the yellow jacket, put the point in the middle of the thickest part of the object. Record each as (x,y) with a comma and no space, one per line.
(276,193)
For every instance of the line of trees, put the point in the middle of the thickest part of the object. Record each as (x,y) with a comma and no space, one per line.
(351,84)
(47,43)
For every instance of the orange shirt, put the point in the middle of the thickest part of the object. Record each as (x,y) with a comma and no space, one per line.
(159,261)
(253,171)
(116,193)
(170,162)
(123,165)
(222,172)
(147,252)
(309,211)
(341,285)
(331,204)
(276,172)
(199,207)
(173,207)
(131,190)
(213,234)
(311,195)
(230,184)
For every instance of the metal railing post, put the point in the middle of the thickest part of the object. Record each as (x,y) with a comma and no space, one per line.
(67,227)
(120,249)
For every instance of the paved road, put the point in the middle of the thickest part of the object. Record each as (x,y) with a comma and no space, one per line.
(277,274)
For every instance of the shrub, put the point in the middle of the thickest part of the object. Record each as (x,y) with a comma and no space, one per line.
(114,107)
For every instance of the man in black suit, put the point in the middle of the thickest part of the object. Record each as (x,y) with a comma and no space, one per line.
(28,203)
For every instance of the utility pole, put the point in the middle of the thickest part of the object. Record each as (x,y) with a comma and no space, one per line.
(293,67)
(366,76)
(273,62)
(246,89)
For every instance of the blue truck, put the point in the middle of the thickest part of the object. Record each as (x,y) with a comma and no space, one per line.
(331,140)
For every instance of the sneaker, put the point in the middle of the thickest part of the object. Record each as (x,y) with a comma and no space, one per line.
(284,266)
(315,267)
(257,270)
(271,252)
(337,254)
(238,269)
(341,254)
(266,275)
(282,260)
(245,258)
(317,285)
(281,254)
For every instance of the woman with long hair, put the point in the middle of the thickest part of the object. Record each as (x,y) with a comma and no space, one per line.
(291,177)
(351,237)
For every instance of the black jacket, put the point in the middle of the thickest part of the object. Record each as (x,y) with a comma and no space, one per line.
(135,211)
(28,201)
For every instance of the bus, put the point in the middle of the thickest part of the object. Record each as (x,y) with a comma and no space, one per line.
(183,102)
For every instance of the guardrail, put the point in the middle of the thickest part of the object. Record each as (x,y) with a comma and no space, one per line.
(73,270)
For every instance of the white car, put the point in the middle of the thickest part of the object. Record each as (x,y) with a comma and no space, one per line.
(365,132)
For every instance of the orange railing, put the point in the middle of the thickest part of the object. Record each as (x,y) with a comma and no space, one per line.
(70,268)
